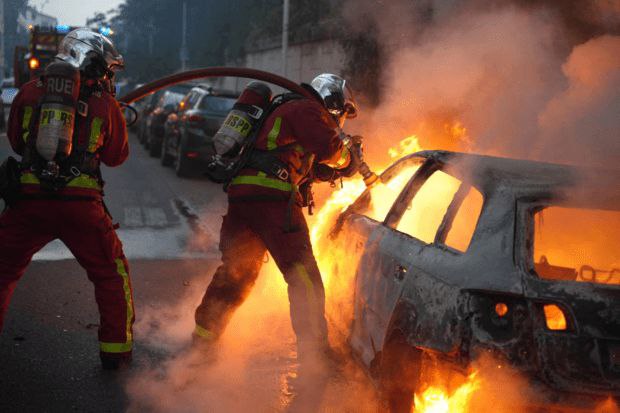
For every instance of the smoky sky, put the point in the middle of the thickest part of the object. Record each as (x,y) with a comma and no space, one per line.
(527,79)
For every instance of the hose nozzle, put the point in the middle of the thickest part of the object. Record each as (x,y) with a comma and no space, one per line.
(370,178)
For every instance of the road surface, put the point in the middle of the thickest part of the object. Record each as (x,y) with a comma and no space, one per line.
(169,228)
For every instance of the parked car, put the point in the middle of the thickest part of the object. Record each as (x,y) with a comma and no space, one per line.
(8,91)
(146,107)
(155,120)
(188,138)
(474,254)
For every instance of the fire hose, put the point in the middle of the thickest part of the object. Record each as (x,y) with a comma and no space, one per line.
(370,178)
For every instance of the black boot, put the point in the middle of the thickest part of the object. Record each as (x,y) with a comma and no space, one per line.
(115,361)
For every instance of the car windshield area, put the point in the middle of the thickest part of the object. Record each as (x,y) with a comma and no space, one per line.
(577,244)
(170,99)
(219,104)
(375,202)
(442,209)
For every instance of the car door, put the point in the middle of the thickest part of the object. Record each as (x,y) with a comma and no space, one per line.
(379,280)
(365,230)
(404,251)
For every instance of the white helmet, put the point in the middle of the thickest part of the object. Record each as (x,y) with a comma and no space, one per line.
(90,52)
(336,95)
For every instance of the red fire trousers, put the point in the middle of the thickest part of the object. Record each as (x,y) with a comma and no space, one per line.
(249,230)
(87,230)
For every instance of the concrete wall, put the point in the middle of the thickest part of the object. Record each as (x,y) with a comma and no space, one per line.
(305,61)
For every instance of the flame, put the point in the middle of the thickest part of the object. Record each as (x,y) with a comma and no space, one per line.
(457,131)
(436,399)
(408,145)
(383,195)
(329,253)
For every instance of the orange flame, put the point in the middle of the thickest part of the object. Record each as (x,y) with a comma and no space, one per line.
(345,196)
(408,145)
(436,399)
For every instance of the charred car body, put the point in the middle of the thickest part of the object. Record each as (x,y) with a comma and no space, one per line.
(477,254)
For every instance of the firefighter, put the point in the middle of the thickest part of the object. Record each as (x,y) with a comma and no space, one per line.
(60,197)
(265,214)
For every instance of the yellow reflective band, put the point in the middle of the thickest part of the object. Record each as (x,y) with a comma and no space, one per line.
(115,347)
(238,123)
(305,277)
(273,134)
(204,333)
(26,122)
(344,158)
(29,178)
(310,296)
(95,132)
(49,116)
(84,181)
(126,346)
(262,181)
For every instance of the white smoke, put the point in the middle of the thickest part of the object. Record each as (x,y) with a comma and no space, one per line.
(509,74)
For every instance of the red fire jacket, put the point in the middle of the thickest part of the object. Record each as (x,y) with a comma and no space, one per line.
(308,134)
(103,130)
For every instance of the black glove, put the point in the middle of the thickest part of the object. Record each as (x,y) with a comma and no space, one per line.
(324,173)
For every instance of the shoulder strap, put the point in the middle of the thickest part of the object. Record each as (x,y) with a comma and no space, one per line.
(81,113)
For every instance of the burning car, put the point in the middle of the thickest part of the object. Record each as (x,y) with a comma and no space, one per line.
(462,255)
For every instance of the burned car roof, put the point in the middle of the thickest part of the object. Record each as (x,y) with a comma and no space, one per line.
(575,185)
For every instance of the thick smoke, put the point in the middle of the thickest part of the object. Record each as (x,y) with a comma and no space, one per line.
(536,80)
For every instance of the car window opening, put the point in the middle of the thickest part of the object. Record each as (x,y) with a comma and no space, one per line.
(576,244)
(424,214)
(383,196)
(444,210)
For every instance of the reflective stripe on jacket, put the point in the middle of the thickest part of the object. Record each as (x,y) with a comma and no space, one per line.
(301,131)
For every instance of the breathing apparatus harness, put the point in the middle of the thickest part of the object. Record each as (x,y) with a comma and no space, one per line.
(71,158)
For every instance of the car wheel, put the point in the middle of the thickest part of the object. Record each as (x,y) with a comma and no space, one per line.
(399,375)
(182,165)
(165,159)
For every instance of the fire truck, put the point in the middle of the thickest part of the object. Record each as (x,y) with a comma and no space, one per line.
(29,62)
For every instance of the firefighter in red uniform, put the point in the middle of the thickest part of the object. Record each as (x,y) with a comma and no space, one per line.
(67,203)
(265,214)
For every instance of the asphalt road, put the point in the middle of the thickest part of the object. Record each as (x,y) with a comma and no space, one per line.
(169,228)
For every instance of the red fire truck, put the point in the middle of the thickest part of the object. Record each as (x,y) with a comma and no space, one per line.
(29,62)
